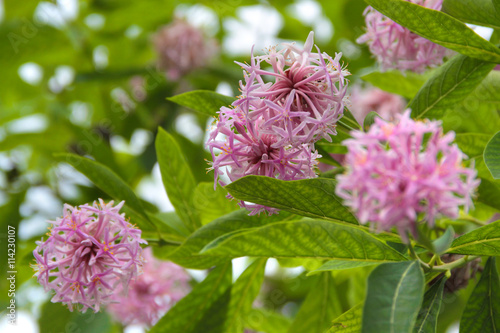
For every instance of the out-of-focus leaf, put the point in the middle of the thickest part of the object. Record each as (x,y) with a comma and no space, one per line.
(268,322)
(210,203)
(315,239)
(449,85)
(319,308)
(395,82)
(439,28)
(370,119)
(480,12)
(482,312)
(177,179)
(187,254)
(492,155)
(207,102)
(488,193)
(185,315)
(428,315)
(395,293)
(484,241)
(336,146)
(472,144)
(442,244)
(243,293)
(349,321)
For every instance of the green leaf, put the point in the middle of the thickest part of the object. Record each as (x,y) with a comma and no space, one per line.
(348,121)
(472,144)
(449,85)
(370,119)
(394,295)
(336,146)
(395,82)
(428,315)
(480,12)
(204,101)
(108,181)
(492,156)
(314,239)
(243,293)
(488,193)
(443,243)
(56,317)
(268,322)
(187,254)
(210,203)
(349,321)
(319,308)
(338,265)
(484,241)
(177,178)
(309,197)
(482,312)
(184,316)
(439,28)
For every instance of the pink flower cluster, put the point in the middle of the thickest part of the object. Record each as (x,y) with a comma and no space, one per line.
(270,130)
(90,252)
(400,173)
(152,294)
(396,47)
(182,48)
(365,100)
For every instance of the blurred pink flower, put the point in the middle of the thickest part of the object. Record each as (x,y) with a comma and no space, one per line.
(365,100)
(397,171)
(182,48)
(152,294)
(397,47)
(91,252)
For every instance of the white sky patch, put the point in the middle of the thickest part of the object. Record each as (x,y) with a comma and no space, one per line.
(186,125)
(239,266)
(133,31)
(199,16)
(36,123)
(138,142)
(224,88)
(257,25)
(198,275)
(25,323)
(95,21)
(484,32)
(31,73)
(56,15)
(151,189)
(81,113)
(310,13)
(100,56)
(2,11)
(63,77)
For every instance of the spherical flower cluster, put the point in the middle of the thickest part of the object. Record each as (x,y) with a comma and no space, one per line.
(396,172)
(364,101)
(397,47)
(182,48)
(152,294)
(91,251)
(270,130)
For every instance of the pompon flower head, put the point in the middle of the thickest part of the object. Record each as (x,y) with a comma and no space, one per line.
(365,100)
(152,294)
(182,48)
(400,173)
(91,252)
(270,130)
(396,47)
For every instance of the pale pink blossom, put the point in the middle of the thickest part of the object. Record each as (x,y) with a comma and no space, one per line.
(365,100)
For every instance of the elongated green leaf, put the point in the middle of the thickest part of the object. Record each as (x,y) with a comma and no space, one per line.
(450,84)
(268,322)
(308,197)
(370,119)
(243,293)
(204,101)
(484,241)
(482,312)
(187,254)
(108,181)
(472,144)
(348,322)
(304,239)
(212,204)
(438,27)
(427,317)
(480,12)
(319,308)
(177,178)
(395,82)
(492,156)
(338,265)
(184,316)
(348,121)
(336,146)
(57,318)
(394,295)
(488,193)
(442,244)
